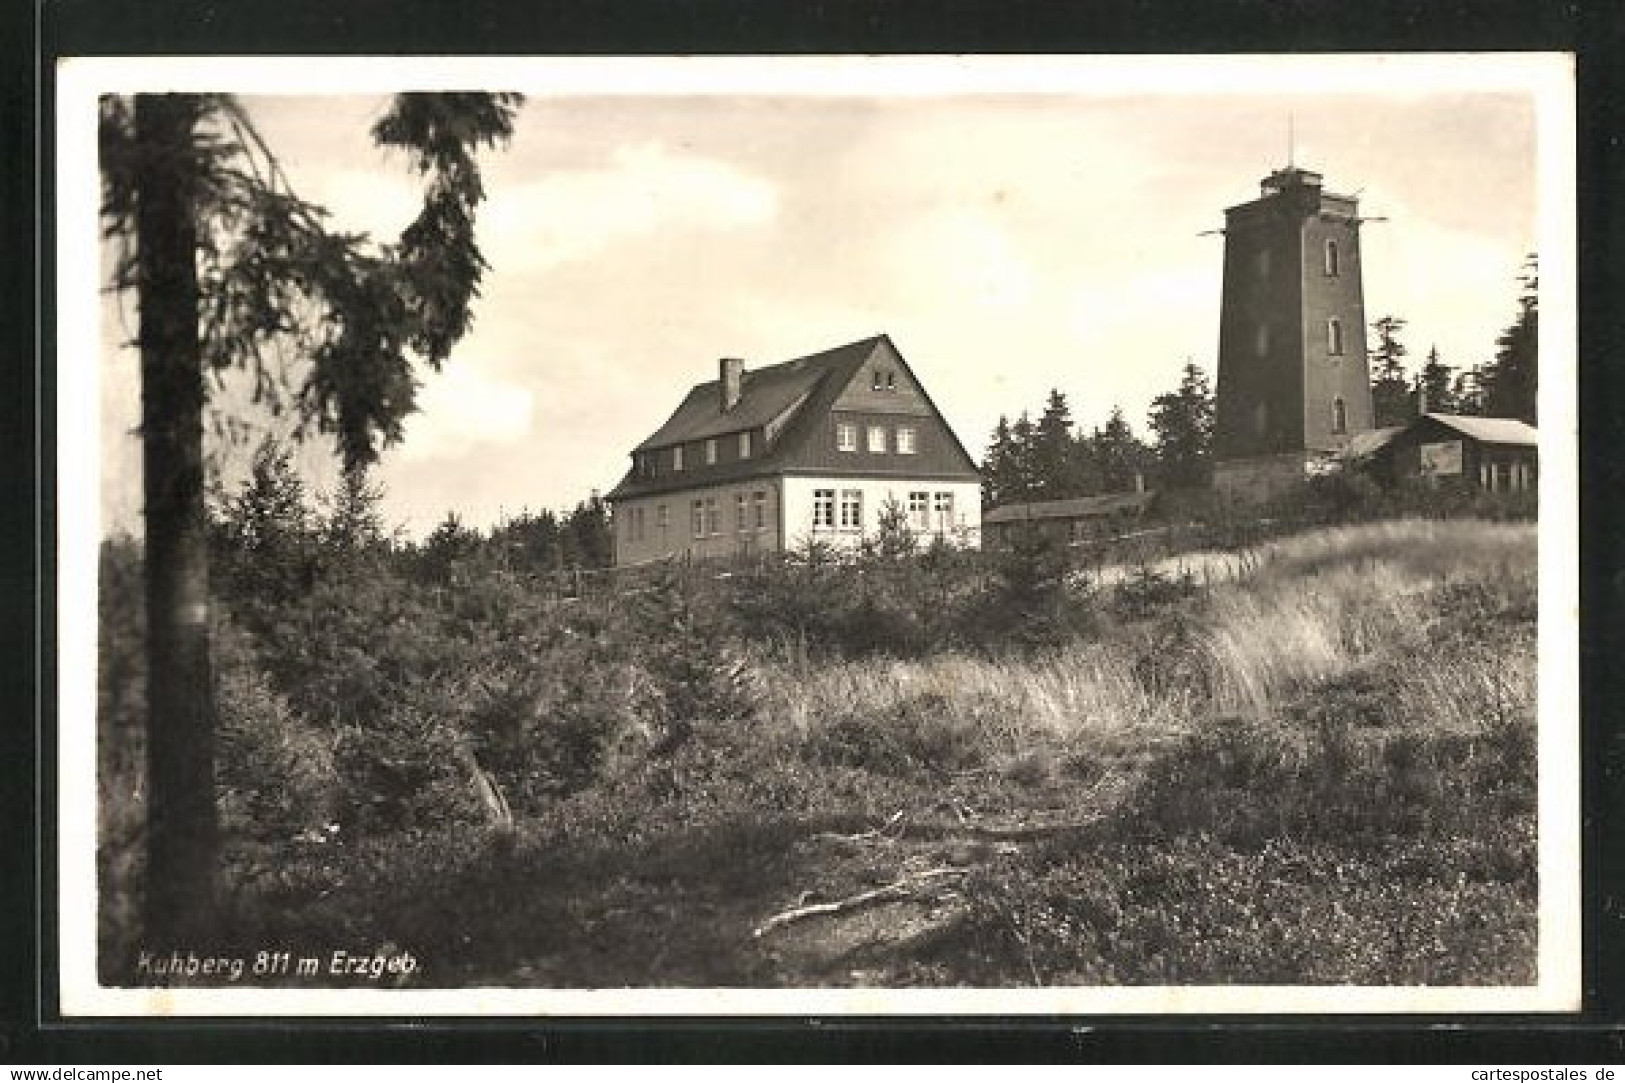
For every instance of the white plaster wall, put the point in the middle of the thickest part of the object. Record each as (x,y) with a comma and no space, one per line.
(798,507)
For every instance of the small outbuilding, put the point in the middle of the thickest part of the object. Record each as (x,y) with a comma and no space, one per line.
(1072,522)
(1452,451)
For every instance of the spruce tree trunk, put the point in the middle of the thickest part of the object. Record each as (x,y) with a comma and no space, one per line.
(182,831)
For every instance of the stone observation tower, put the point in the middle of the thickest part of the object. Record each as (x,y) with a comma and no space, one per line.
(1293,379)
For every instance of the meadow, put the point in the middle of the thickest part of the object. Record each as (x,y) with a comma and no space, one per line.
(1308,761)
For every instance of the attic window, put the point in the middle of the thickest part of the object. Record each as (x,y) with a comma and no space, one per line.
(744,445)
(711,451)
(677,457)
(877,384)
(891,381)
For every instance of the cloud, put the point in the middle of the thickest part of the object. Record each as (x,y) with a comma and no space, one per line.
(646,188)
(461,409)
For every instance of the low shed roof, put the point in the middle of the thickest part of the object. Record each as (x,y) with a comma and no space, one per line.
(1490,430)
(1082,507)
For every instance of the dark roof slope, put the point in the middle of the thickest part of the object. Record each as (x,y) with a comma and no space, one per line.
(809,385)
(764,394)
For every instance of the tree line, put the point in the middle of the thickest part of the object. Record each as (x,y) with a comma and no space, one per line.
(1053,459)
(273,538)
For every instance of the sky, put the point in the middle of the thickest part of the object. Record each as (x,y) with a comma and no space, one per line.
(1009,242)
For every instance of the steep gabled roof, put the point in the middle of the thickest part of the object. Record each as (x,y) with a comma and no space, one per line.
(1081,507)
(1490,430)
(800,394)
(764,394)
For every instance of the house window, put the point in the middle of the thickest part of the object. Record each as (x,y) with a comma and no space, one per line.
(697,517)
(713,518)
(877,385)
(846,437)
(637,524)
(677,457)
(1340,416)
(1262,342)
(851,509)
(741,503)
(919,511)
(905,440)
(944,508)
(744,445)
(662,521)
(891,381)
(823,509)
(1334,336)
(877,440)
(1331,259)
(711,452)
(760,500)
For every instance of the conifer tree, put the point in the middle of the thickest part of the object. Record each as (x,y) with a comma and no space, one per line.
(1183,423)
(224,261)
(1435,385)
(1513,378)
(1391,400)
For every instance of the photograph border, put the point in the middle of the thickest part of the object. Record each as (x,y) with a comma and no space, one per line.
(1588,745)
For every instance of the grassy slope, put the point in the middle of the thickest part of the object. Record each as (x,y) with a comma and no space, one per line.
(1320,772)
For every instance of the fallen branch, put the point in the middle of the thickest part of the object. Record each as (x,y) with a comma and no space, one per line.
(862,836)
(898,889)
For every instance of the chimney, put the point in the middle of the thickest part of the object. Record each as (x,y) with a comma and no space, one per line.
(733,372)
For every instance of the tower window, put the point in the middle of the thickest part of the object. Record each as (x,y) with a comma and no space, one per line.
(1340,416)
(1334,336)
(1331,259)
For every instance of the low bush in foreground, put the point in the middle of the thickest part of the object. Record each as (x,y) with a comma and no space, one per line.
(1319,768)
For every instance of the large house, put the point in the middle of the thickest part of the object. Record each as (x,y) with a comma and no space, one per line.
(814,449)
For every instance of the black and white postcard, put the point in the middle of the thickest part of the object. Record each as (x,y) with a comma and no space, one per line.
(817,536)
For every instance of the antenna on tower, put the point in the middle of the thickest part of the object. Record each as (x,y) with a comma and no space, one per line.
(1291,139)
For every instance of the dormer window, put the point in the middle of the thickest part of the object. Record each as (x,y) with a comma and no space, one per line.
(677,458)
(711,452)
(744,445)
